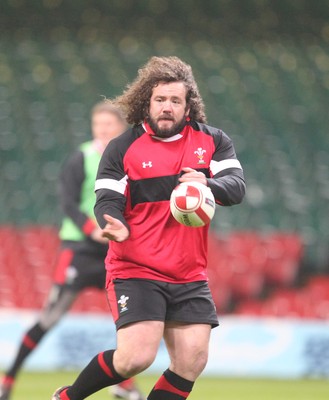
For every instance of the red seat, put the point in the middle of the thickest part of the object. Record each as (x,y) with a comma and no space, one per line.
(284,252)
(247,285)
(321,309)
(318,292)
(281,271)
(217,251)
(221,294)
(92,300)
(318,288)
(288,244)
(248,247)
(289,303)
(250,307)
(27,258)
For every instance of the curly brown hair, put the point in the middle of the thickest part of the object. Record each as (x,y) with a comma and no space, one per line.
(135,100)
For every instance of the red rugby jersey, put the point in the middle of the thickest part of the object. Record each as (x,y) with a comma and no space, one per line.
(136,176)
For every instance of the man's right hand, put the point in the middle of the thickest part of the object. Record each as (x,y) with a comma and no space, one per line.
(97,236)
(114,229)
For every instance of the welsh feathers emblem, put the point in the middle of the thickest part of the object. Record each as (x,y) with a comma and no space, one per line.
(123,303)
(200,152)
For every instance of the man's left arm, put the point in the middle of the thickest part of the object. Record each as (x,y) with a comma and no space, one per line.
(226,175)
(227,181)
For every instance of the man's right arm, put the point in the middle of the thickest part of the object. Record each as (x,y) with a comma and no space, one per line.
(110,186)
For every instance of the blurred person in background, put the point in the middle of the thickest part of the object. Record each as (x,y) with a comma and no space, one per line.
(81,260)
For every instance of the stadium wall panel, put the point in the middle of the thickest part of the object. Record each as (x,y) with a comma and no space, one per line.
(239,347)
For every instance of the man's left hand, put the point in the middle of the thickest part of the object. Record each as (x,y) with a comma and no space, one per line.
(191,175)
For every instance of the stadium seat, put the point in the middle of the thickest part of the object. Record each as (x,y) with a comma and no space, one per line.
(250,308)
(247,285)
(284,254)
(288,303)
(91,300)
(318,288)
(221,291)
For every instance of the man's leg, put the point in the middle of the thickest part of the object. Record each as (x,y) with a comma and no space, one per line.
(187,345)
(60,300)
(137,345)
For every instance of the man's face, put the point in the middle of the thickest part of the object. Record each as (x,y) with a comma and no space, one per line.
(106,126)
(168,109)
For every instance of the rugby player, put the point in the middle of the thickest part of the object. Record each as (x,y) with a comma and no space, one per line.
(156,268)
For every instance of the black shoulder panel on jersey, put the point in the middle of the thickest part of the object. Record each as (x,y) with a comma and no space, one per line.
(125,140)
(116,149)
(209,130)
(223,144)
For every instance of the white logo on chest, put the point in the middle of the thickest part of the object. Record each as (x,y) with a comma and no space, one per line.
(200,154)
(147,164)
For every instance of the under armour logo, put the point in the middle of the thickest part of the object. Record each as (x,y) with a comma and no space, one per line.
(147,164)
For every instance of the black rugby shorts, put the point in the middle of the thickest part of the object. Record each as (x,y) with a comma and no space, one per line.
(81,265)
(135,300)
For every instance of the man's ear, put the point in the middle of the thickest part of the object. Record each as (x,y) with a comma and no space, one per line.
(187,112)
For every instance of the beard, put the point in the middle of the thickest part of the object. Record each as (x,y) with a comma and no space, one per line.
(166,133)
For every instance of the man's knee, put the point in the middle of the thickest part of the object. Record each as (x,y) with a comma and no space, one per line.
(48,320)
(128,365)
(190,367)
(200,363)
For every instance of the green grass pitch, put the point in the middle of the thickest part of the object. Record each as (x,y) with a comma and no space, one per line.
(39,386)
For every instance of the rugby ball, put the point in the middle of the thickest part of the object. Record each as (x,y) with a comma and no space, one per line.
(192,204)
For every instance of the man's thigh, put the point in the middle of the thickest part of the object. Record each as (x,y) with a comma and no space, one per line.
(186,340)
(187,345)
(141,337)
(137,346)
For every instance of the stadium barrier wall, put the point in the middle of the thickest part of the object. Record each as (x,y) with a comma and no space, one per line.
(241,346)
